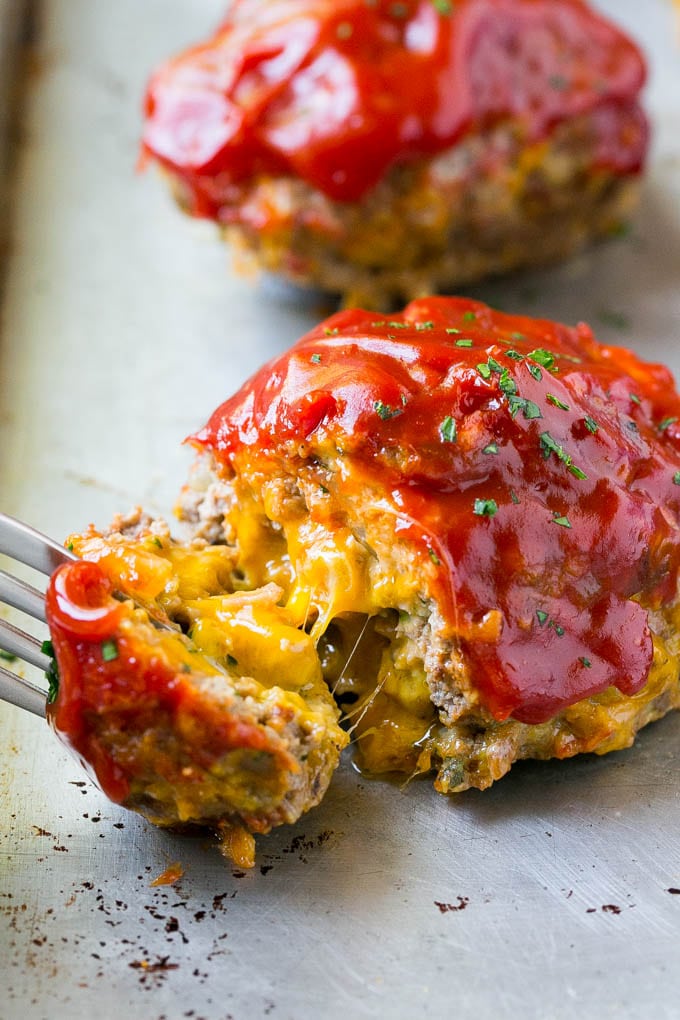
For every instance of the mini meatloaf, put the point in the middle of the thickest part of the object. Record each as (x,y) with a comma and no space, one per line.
(461,525)
(384,150)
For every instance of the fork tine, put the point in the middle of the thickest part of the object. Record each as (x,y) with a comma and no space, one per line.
(29,546)
(21,692)
(22,596)
(16,642)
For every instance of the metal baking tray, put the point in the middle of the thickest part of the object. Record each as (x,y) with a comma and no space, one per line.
(552,895)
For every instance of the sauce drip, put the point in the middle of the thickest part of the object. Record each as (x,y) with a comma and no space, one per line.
(335,92)
(536,470)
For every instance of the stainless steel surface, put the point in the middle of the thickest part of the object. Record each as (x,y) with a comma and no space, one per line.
(21,595)
(24,543)
(552,895)
(18,643)
(21,692)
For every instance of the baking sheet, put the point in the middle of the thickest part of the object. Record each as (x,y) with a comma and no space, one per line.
(554,894)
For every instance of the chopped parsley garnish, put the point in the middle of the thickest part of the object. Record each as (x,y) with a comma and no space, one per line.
(70,546)
(562,521)
(463,343)
(448,430)
(323,489)
(451,329)
(676,478)
(549,446)
(663,425)
(468,316)
(514,497)
(494,365)
(557,628)
(556,402)
(315,359)
(634,397)
(157,542)
(7,656)
(590,424)
(515,355)
(491,448)
(51,673)
(331,332)
(398,325)
(536,372)
(518,336)
(585,662)
(484,370)
(507,384)
(232,661)
(424,325)
(385,412)
(433,556)
(528,407)
(485,507)
(544,358)
(109,650)
(443,6)
(541,616)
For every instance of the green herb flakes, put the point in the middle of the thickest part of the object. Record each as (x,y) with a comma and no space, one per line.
(448,430)
(468,316)
(315,359)
(586,663)
(507,384)
(331,332)
(7,656)
(562,521)
(495,366)
(451,329)
(635,399)
(484,370)
(433,556)
(109,650)
(232,661)
(536,372)
(541,616)
(463,343)
(543,358)
(443,7)
(385,412)
(590,424)
(676,478)
(491,448)
(663,425)
(514,497)
(51,673)
(515,355)
(485,507)
(556,402)
(528,407)
(420,326)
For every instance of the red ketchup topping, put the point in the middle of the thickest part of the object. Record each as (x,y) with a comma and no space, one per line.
(335,92)
(536,470)
(111,681)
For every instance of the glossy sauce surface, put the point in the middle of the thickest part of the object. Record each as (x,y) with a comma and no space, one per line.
(536,470)
(335,92)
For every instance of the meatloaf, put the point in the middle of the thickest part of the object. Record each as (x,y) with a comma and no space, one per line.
(459,526)
(383,151)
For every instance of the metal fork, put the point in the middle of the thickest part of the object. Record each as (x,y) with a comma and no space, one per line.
(28,546)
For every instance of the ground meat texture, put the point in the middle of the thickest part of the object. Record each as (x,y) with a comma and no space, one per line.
(385,151)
